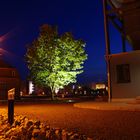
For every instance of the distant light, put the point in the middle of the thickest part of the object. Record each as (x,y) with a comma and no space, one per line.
(31,87)
(85,92)
(107,88)
(79,87)
(73,86)
(21,93)
(70,101)
(100,86)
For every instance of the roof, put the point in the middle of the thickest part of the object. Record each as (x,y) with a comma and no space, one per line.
(4,64)
(121,3)
(129,11)
(136,52)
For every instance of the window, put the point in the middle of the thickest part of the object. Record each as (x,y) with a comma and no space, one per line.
(13,73)
(123,73)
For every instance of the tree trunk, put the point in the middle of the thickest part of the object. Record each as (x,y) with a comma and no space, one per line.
(52,92)
(53,95)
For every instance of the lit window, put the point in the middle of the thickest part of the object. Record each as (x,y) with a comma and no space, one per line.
(123,73)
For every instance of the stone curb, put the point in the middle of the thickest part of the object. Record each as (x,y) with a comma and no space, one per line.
(107,106)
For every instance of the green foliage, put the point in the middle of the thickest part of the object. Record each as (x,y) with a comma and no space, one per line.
(55,60)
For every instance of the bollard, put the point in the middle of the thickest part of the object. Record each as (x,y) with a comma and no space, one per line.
(10,111)
(11,94)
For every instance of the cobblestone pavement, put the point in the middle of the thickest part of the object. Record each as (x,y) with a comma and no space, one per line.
(97,124)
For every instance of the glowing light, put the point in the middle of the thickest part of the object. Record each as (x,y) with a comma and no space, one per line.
(3,51)
(56,90)
(7,35)
(79,87)
(4,37)
(100,86)
(73,86)
(11,94)
(21,93)
(70,101)
(107,88)
(85,92)
(31,87)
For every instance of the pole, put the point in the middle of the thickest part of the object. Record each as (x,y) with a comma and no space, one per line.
(10,111)
(11,94)
(107,44)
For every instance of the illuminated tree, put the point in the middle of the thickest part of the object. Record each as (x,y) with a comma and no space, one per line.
(55,60)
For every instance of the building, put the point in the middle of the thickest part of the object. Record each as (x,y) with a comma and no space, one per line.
(125,74)
(99,85)
(123,69)
(9,78)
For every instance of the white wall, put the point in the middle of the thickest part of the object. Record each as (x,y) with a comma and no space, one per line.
(126,90)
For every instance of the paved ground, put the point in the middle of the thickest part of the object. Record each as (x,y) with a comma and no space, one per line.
(97,124)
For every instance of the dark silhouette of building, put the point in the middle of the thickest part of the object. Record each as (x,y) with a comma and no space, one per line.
(9,78)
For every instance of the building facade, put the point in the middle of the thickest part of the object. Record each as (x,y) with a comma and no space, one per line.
(123,69)
(9,78)
(125,74)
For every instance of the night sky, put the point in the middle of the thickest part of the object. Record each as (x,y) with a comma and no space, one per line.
(20,21)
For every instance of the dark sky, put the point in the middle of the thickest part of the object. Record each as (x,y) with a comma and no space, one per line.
(20,21)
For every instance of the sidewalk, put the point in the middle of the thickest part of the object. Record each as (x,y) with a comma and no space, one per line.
(108,106)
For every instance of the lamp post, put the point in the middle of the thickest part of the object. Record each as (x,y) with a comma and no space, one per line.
(107,44)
